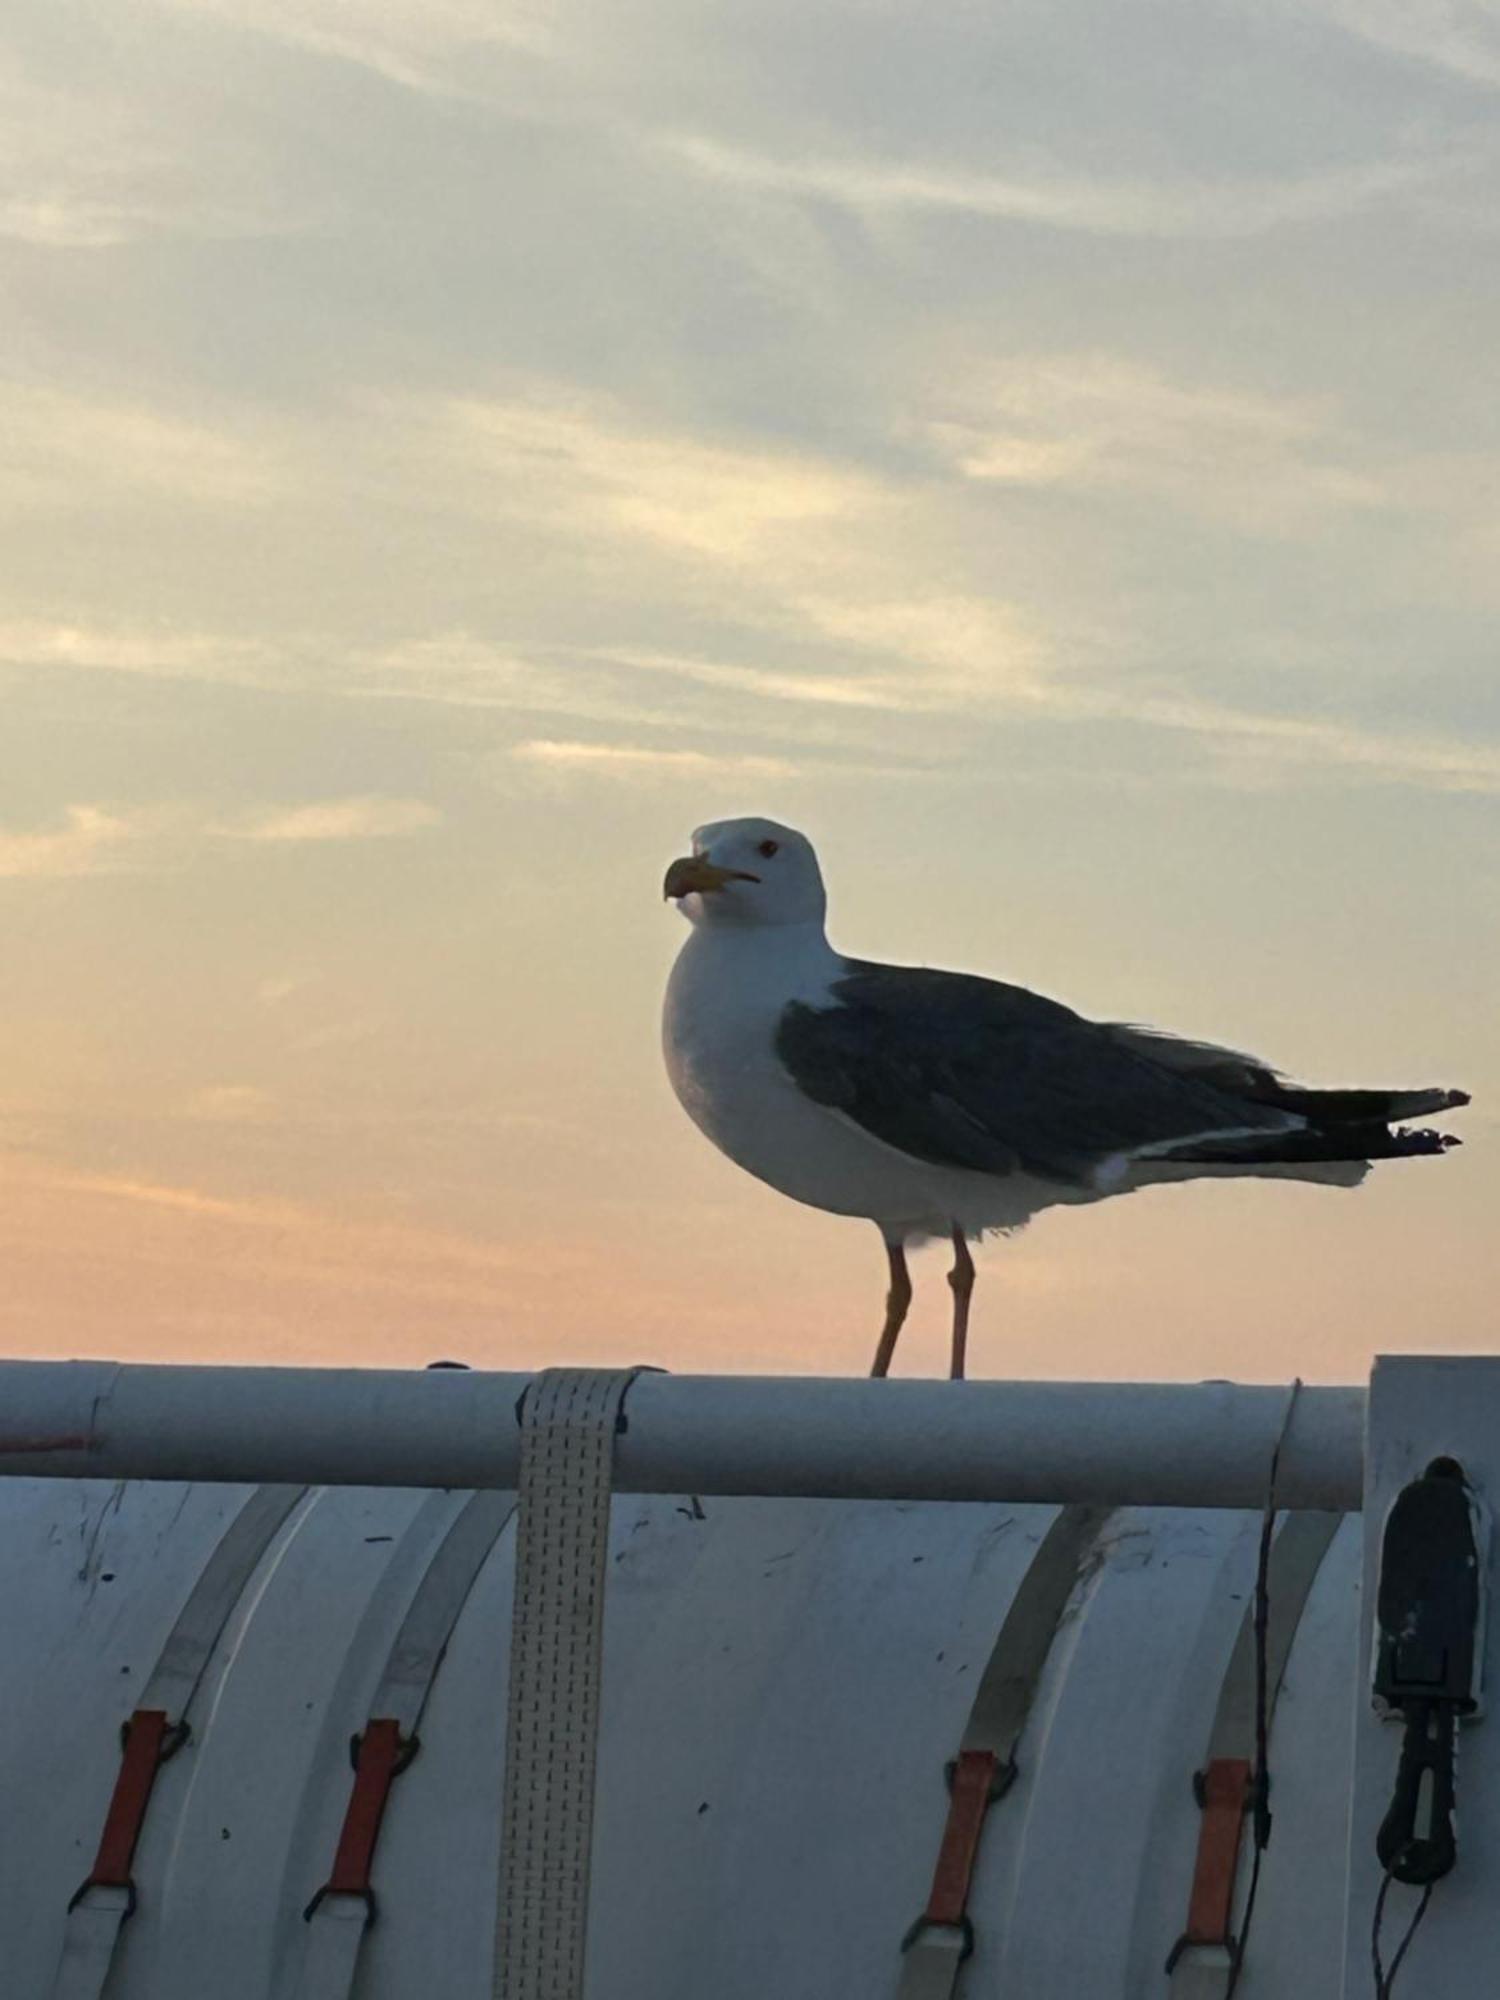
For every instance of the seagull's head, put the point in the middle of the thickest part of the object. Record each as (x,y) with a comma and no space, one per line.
(748,871)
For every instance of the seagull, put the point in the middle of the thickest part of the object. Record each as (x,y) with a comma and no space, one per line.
(944,1105)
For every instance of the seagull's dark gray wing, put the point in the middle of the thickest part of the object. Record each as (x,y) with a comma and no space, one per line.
(966,1072)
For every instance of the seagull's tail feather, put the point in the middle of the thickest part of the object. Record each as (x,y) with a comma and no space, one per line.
(1352,1141)
(1333,1108)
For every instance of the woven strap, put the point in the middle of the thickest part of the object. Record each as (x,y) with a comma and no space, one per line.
(156,1728)
(1203,1960)
(937,1944)
(568,1426)
(184,1658)
(342,1910)
(89,1944)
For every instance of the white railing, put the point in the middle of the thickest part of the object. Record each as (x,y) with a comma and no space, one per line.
(1143,1444)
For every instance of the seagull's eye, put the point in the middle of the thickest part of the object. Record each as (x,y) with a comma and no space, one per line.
(768,848)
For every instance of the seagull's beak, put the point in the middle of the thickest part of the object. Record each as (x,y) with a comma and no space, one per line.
(696,873)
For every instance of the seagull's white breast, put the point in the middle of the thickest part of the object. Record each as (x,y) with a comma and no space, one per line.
(724,1003)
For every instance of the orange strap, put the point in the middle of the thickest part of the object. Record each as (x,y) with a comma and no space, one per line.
(380,1754)
(145,1737)
(968,1802)
(1226,1797)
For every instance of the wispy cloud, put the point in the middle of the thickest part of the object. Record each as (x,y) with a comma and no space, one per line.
(90,841)
(365,818)
(897,656)
(276,991)
(255,1213)
(1315,746)
(635,761)
(769,683)
(1460,36)
(1105,422)
(951,648)
(588,463)
(231,1104)
(96,840)
(78,453)
(1265,748)
(88,167)
(426,46)
(1117,206)
(154,653)
(641,763)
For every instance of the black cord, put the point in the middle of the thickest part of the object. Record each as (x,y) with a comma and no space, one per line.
(1260,1780)
(1385,1980)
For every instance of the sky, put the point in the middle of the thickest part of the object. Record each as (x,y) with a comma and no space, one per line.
(448,450)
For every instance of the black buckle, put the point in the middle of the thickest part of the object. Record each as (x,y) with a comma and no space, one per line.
(408,1746)
(1257,1787)
(172,1738)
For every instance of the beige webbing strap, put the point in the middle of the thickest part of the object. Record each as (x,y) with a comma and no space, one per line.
(1201,1966)
(568,1425)
(934,1949)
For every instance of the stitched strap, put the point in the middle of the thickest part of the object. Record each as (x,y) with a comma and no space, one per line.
(936,1946)
(1203,1959)
(568,1426)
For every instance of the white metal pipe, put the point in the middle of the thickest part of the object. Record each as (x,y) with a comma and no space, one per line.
(1142,1444)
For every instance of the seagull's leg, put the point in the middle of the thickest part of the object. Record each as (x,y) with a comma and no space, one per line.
(961,1278)
(897,1299)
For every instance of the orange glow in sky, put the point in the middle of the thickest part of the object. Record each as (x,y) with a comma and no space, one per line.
(451,454)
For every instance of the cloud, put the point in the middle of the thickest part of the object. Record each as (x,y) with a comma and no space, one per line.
(1460,36)
(427,46)
(1117,206)
(89,167)
(639,762)
(365,818)
(1327,747)
(587,463)
(185,1200)
(799,550)
(94,840)
(770,683)
(276,991)
(1264,748)
(231,1104)
(953,648)
(155,653)
(461,670)
(89,842)
(1103,422)
(75,454)
(647,764)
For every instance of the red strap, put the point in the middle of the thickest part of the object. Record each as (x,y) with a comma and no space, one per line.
(968,1801)
(127,1807)
(380,1752)
(1226,1794)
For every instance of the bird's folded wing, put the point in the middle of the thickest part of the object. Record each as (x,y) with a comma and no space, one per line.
(965,1072)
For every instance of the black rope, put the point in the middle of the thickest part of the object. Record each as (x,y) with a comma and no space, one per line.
(1386,1979)
(1260,1778)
